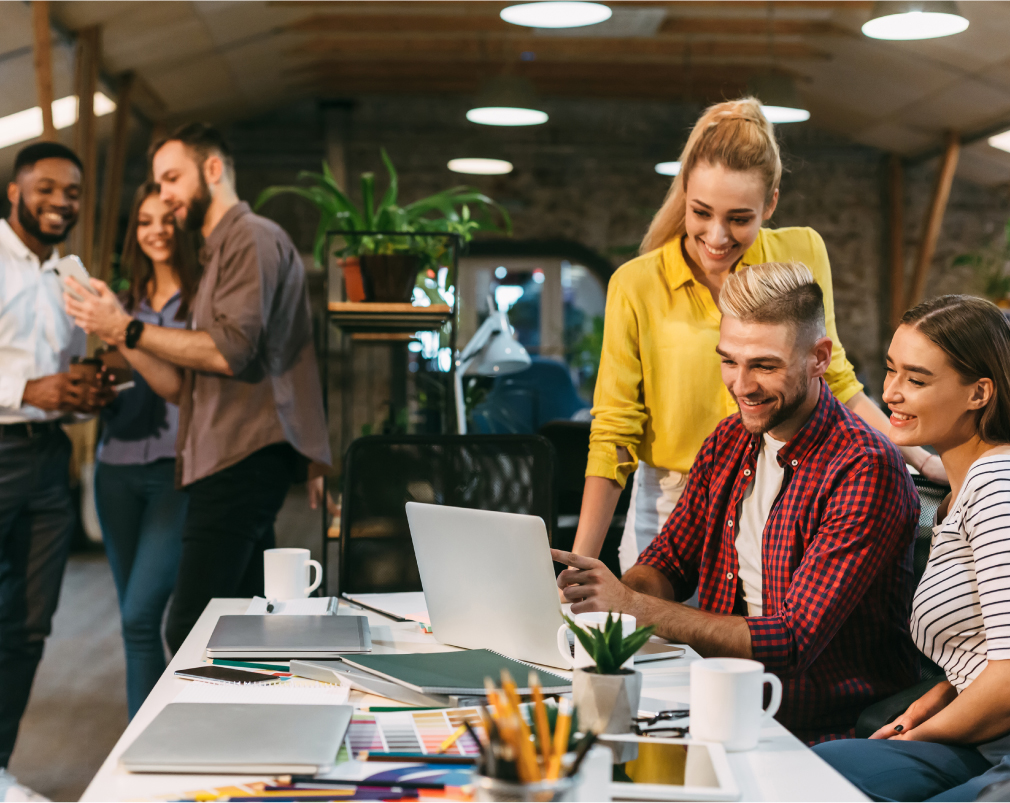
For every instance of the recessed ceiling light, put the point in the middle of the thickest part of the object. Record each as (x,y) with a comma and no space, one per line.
(784,114)
(668,168)
(780,102)
(480,167)
(506,115)
(1001,141)
(27,124)
(553,14)
(904,21)
(507,100)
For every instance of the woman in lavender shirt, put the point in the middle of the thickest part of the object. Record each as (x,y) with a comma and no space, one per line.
(140,510)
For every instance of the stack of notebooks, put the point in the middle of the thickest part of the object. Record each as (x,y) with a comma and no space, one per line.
(428,679)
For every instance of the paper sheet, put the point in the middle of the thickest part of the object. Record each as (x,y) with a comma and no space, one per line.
(292,692)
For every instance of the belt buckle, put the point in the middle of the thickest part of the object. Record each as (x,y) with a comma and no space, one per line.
(29,429)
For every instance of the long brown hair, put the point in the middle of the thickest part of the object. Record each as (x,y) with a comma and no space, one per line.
(975,336)
(734,134)
(138,266)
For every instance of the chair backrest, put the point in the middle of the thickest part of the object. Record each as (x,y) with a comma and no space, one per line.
(931,496)
(525,401)
(571,442)
(507,473)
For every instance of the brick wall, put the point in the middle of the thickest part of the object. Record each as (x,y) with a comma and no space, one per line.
(588,175)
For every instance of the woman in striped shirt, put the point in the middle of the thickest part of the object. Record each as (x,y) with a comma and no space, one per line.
(948,385)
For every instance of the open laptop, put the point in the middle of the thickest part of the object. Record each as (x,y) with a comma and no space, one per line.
(488,580)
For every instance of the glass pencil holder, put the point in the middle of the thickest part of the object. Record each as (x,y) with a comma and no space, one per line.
(495,789)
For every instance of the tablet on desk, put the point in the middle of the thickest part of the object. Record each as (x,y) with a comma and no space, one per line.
(672,769)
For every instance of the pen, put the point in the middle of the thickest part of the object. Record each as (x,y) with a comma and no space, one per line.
(416,758)
(309,784)
(364,607)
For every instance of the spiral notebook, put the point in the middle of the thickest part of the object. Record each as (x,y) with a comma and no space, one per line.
(456,673)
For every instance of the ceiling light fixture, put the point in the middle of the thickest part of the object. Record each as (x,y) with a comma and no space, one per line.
(27,124)
(780,102)
(507,101)
(474,166)
(1001,141)
(904,21)
(551,14)
(668,168)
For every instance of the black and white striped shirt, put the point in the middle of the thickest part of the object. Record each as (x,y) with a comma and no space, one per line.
(961,610)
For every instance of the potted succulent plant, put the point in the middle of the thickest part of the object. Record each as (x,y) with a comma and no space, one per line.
(389,265)
(606,695)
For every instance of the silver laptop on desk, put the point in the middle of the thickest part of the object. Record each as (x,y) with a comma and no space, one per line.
(488,580)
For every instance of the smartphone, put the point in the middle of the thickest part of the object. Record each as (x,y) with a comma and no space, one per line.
(72,266)
(224,674)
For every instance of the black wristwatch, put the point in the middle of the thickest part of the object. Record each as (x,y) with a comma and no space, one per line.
(134,329)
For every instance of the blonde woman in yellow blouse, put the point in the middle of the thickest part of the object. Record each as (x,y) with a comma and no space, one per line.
(659,393)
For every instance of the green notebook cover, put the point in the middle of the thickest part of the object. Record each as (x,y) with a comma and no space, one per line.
(455,673)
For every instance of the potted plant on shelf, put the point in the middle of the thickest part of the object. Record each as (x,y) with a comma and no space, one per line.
(991,264)
(389,265)
(606,695)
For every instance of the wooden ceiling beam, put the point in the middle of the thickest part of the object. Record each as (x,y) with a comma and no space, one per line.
(418,24)
(664,92)
(478,70)
(781,9)
(466,46)
(43,60)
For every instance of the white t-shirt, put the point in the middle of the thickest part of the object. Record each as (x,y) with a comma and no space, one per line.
(961,609)
(753,515)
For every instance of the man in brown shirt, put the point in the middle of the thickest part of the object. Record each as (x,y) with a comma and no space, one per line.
(244,376)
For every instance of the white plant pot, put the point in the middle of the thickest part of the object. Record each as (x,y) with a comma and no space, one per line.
(608,704)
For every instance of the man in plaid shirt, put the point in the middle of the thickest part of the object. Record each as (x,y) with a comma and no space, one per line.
(795,526)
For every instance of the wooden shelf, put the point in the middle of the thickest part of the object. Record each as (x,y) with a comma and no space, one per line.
(377,317)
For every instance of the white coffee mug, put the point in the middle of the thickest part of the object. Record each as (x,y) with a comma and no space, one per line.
(727,695)
(286,573)
(587,620)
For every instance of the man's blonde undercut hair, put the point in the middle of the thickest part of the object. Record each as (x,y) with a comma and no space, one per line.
(776,292)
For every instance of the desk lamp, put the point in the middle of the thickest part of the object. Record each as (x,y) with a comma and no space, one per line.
(492,351)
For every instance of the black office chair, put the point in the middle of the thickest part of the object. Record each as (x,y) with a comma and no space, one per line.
(571,442)
(508,473)
(879,714)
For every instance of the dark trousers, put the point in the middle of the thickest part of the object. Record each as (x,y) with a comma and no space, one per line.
(142,516)
(888,770)
(36,524)
(229,523)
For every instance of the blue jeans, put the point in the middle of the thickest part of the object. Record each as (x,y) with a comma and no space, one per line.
(36,524)
(142,516)
(885,769)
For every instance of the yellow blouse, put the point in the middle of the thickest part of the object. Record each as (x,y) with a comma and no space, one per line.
(659,392)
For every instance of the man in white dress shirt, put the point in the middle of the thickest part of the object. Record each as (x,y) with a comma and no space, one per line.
(37,341)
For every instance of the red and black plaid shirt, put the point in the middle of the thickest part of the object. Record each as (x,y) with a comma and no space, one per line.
(836,562)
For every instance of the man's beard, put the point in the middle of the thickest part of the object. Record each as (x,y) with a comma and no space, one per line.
(792,403)
(196,209)
(31,224)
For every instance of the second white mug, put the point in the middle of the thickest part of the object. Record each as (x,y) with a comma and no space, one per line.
(727,698)
(587,620)
(286,573)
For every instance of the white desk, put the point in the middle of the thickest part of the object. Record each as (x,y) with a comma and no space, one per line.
(781,768)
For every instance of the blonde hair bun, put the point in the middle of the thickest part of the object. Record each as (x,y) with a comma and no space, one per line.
(734,134)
